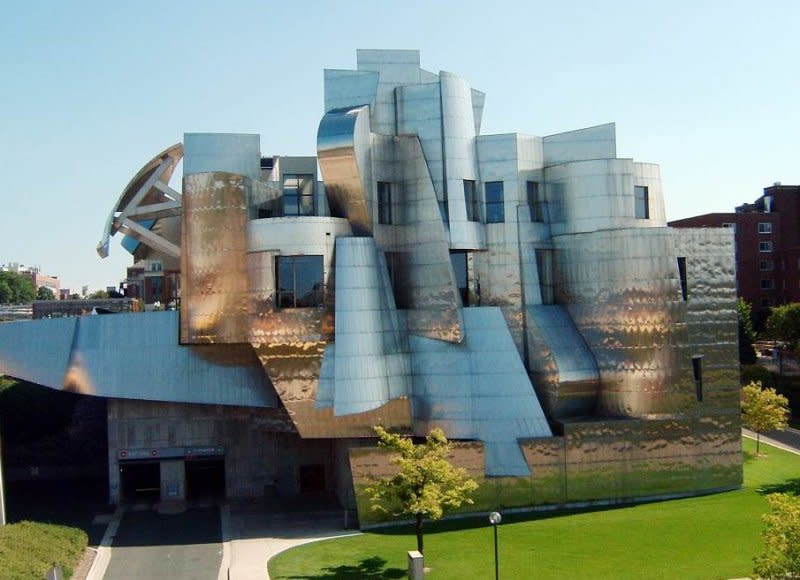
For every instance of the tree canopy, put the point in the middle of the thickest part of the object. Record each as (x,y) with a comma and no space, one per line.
(15,288)
(426,483)
(747,335)
(784,323)
(44,293)
(763,410)
(780,557)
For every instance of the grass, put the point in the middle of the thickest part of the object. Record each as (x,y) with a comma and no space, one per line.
(708,537)
(30,549)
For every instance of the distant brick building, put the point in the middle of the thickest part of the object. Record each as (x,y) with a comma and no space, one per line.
(767,247)
(34,274)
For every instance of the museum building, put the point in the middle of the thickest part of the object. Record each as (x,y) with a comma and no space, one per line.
(522,293)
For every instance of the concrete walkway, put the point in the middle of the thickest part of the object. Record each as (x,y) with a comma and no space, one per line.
(253,533)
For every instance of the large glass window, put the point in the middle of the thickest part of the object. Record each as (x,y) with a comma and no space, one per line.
(300,283)
(535,203)
(471,199)
(384,202)
(298,194)
(642,202)
(495,209)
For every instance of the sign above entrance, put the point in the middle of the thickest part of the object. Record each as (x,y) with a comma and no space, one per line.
(171,452)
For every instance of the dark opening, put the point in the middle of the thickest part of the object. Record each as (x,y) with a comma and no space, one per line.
(140,480)
(384,202)
(682,274)
(471,200)
(312,479)
(641,202)
(396,262)
(459,261)
(534,201)
(697,369)
(544,264)
(205,478)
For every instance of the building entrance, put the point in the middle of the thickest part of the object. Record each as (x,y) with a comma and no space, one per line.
(140,480)
(205,478)
(312,479)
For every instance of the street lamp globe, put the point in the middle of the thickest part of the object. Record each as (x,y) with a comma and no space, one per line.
(495,518)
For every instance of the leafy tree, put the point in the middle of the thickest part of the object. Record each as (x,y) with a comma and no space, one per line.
(98,295)
(781,537)
(747,336)
(20,288)
(426,482)
(44,293)
(763,410)
(784,323)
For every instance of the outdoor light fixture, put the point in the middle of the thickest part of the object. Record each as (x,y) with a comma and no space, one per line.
(494,519)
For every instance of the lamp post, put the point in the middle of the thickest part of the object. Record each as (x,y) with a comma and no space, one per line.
(494,519)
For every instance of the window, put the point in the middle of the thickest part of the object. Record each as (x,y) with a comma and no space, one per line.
(471,199)
(298,194)
(764,227)
(384,202)
(764,246)
(300,283)
(544,265)
(641,202)
(495,210)
(766,302)
(459,261)
(535,203)
(730,225)
(697,371)
(767,284)
(766,265)
(682,275)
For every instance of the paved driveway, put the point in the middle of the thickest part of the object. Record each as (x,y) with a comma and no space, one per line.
(185,546)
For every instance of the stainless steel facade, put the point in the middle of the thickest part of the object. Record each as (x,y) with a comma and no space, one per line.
(523,293)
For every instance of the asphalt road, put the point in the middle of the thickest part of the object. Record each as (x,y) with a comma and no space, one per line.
(185,546)
(790,437)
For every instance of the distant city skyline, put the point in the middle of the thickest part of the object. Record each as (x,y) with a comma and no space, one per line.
(93,90)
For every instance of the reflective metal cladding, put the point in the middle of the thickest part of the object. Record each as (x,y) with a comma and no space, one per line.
(523,293)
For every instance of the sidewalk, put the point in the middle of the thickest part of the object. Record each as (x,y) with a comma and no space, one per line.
(253,532)
(790,443)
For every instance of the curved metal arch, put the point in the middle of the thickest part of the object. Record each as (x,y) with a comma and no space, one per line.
(147,197)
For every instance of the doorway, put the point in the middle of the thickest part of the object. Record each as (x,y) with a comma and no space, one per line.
(140,480)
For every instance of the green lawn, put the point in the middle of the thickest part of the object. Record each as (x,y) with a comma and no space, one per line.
(707,537)
(30,549)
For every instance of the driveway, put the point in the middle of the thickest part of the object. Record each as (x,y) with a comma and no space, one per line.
(185,546)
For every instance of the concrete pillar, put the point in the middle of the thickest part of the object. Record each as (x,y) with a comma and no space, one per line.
(173,480)
(416,566)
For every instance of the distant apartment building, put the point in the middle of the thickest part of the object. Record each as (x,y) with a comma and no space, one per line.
(34,274)
(767,247)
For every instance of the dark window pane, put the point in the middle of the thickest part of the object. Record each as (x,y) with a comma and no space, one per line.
(471,200)
(384,202)
(642,202)
(495,212)
(459,261)
(300,282)
(298,194)
(534,202)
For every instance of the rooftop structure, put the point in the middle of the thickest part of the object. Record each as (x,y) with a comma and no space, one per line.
(523,293)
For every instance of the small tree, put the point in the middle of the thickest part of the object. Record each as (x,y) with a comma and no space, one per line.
(747,336)
(784,323)
(44,293)
(781,537)
(763,410)
(426,482)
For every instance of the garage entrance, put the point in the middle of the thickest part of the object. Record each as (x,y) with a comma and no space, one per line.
(140,480)
(205,479)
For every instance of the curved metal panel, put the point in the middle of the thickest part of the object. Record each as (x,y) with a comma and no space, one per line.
(337,141)
(147,187)
(214,284)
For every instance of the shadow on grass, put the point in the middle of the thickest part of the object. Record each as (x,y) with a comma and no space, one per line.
(369,568)
(791,486)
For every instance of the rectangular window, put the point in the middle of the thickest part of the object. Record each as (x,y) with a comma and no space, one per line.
(767,284)
(766,302)
(384,202)
(764,227)
(697,370)
(682,275)
(471,199)
(764,246)
(544,265)
(298,194)
(729,225)
(766,265)
(300,282)
(642,202)
(535,203)
(459,262)
(495,204)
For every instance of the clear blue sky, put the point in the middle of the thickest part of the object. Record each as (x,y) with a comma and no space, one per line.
(92,90)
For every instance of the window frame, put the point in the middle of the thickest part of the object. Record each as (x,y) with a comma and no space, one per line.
(641,203)
(764,227)
(471,200)
(299,209)
(766,265)
(765,246)
(385,202)
(280,294)
(535,202)
(495,205)
(767,284)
